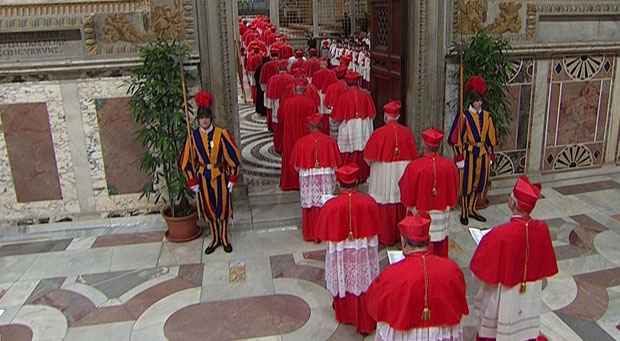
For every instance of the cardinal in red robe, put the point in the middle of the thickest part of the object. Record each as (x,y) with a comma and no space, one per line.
(422,297)
(313,64)
(269,70)
(349,223)
(297,61)
(322,79)
(511,262)
(279,85)
(355,112)
(388,152)
(255,58)
(333,92)
(293,113)
(315,157)
(430,184)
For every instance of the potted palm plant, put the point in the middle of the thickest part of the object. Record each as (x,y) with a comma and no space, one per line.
(157,100)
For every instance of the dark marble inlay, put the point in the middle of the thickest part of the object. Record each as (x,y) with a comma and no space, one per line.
(129,239)
(115,284)
(590,304)
(118,313)
(243,318)
(73,305)
(283,266)
(34,247)
(31,151)
(121,151)
(563,252)
(141,302)
(583,235)
(15,332)
(318,255)
(586,329)
(191,273)
(587,187)
(44,287)
(605,278)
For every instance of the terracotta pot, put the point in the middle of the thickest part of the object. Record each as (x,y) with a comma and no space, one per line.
(181,229)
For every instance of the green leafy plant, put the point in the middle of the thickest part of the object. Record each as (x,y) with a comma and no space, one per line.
(156,105)
(485,55)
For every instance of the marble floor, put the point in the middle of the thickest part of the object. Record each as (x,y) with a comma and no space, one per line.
(136,286)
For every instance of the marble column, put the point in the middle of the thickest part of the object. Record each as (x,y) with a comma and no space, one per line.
(426,64)
(611,151)
(539,116)
(315,18)
(274,12)
(218,58)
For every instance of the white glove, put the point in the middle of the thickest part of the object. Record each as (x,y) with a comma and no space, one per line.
(230,186)
(460,164)
(195,188)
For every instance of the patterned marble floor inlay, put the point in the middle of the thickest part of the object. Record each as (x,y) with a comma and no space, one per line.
(261,162)
(139,287)
(587,187)
(243,318)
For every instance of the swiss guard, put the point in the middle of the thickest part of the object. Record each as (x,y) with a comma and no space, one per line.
(473,139)
(210,160)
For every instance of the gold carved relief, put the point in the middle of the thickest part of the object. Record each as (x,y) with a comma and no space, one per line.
(508,19)
(90,37)
(167,22)
(118,28)
(471,15)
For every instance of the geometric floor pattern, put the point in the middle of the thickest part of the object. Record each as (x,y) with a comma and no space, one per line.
(261,164)
(134,286)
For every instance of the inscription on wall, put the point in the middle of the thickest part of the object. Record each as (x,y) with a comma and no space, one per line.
(15,45)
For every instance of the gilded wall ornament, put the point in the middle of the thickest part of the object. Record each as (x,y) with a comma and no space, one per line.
(167,22)
(118,28)
(471,15)
(90,36)
(508,20)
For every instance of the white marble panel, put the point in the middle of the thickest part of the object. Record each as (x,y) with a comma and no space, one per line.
(140,256)
(18,293)
(90,90)
(69,263)
(49,93)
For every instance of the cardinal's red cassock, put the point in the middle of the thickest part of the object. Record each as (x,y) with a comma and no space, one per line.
(420,298)
(430,184)
(511,262)
(388,152)
(293,113)
(355,112)
(278,86)
(269,70)
(315,157)
(254,59)
(322,79)
(349,223)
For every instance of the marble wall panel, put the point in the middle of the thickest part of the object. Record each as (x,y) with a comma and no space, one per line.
(105,90)
(578,112)
(121,151)
(11,210)
(512,149)
(31,151)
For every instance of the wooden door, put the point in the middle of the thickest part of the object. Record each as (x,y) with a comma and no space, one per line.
(388,73)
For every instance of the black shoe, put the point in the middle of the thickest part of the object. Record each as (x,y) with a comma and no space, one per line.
(478,217)
(227,248)
(209,250)
(464,221)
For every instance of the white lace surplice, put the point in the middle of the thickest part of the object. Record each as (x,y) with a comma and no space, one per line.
(353,134)
(383,181)
(351,265)
(314,183)
(450,333)
(505,314)
(439,225)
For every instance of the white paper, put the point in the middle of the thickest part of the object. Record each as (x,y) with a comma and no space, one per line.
(395,256)
(477,234)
